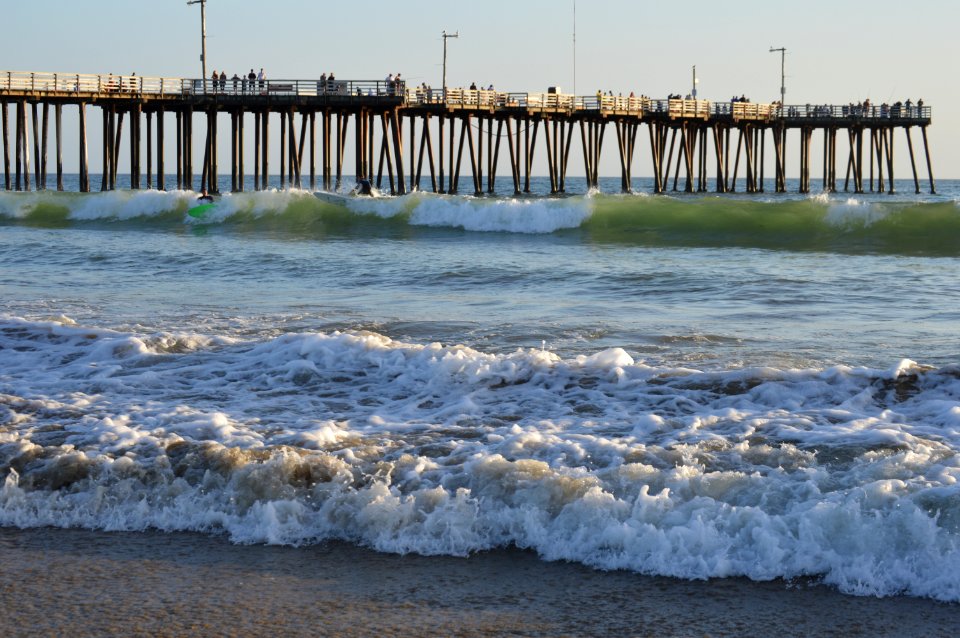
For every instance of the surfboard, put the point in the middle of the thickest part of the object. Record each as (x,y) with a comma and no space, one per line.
(332,198)
(199,211)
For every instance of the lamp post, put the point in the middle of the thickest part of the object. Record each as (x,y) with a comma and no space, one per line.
(203,39)
(445,36)
(783,83)
(695,82)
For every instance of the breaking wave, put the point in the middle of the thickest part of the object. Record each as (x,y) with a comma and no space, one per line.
(846,474)
(820,223)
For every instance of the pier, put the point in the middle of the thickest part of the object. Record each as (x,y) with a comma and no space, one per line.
(694,145)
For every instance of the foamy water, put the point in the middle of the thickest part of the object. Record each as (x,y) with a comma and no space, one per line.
(443,375)
(846,473)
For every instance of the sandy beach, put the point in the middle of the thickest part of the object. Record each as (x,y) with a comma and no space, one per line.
(83,583)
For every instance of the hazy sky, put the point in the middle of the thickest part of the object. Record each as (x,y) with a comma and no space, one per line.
(838,51)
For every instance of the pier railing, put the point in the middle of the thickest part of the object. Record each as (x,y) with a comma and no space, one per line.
(134,86)
(861,111)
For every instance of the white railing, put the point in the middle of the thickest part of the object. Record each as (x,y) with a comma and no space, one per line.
(86,83)
(135,85)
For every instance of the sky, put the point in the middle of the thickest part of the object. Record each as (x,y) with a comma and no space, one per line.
(838,51)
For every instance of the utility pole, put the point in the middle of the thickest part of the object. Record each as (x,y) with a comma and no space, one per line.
(783,84)
(574,47)
(203,38)
(445,36)
(695,80)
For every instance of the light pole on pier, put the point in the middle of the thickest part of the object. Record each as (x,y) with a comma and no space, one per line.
(445,36)
(574,47)
(783,84)
(695,81)
(203,38)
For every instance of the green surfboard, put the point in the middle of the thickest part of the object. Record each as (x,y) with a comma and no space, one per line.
(200,211)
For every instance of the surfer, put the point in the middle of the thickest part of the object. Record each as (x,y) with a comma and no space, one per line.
(363,187)
(204,198)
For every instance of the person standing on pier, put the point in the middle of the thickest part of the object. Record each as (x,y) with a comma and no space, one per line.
(215,78)
(261,78)
(223,81)
(251,78)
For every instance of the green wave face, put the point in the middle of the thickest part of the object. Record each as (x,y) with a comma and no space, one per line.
(816,224)
(830,224)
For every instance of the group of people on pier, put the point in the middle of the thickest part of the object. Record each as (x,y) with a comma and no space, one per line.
(245,84)
(394,85)
(328,84)
(895,110)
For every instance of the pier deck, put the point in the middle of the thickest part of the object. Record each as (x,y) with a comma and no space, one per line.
(679,132)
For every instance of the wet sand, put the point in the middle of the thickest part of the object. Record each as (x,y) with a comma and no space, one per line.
(82,583)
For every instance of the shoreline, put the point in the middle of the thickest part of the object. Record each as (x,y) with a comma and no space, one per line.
(152,583)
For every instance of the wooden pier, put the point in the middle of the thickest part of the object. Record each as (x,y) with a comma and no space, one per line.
(689,140)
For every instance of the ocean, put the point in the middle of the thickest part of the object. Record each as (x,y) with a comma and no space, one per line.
(712,388)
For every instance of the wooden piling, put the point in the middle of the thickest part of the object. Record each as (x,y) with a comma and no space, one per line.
(283,150)
(205,169)
(264,147)
(473,156)
(440,138)
(214,159)
(6,146)
(149,115)
(36,146)
(84,169)
(304,120)
(233,152)
(888,143)
(161,177)
(452,185)
(256,150)
(913,162)
(313,151)
(188,148)
(135,146)
(106,147)
(455,172)
(115,154)
(240,149)
(42,160)
(23,149)
(926,151)
(326,149)
(413,132)
(341,134)
(179,150)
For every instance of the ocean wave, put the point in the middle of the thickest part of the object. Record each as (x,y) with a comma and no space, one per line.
(824,223)
(846,474)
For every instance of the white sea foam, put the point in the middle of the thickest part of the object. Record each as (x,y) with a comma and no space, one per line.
(123,205)
(479,214)
(502,215)
(853,213)
(851,474)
